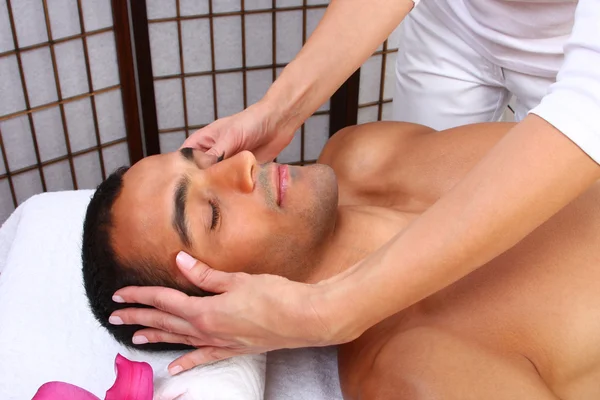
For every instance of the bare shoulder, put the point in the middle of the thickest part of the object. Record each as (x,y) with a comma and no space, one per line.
(403,165)
(368,144)
(361,156)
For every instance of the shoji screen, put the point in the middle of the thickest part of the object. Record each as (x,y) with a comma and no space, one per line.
(377,81)
(211,59)
(62,123)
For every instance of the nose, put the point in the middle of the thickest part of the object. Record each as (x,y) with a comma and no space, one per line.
(235,172)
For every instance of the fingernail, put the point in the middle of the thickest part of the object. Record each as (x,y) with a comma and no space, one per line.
(185,261)
(118,299)
(113,319)
(139,339)
(175,370)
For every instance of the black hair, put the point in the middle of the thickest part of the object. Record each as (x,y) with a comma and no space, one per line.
(104,272)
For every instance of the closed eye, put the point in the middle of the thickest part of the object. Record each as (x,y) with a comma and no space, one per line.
(216,214)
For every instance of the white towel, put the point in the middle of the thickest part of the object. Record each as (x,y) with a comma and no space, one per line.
(47,332)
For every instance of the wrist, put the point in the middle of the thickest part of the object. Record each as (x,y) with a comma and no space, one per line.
(336,313)
(286,102)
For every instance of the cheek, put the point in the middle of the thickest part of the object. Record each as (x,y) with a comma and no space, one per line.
(245,242)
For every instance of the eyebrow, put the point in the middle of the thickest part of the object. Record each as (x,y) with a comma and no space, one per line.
(187,153)
(179,220)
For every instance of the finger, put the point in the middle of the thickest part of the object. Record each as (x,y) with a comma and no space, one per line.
(152,318)
(158,336)
(200,139)
(203,355)
(203,276)
(166,299)
(226,145)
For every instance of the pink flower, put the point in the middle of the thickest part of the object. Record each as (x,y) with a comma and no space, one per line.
(133,382)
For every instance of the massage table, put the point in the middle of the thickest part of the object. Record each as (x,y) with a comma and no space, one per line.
(48,333)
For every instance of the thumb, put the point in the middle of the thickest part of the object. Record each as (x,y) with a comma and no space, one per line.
(223,147)
(202,275)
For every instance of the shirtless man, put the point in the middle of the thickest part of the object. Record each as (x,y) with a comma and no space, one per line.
(524,326)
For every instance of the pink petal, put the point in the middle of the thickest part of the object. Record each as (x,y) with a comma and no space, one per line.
(134,381)
(61,390)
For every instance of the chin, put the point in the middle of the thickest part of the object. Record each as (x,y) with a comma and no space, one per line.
(323,209)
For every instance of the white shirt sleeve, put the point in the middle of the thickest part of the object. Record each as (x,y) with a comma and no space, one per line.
(572,104)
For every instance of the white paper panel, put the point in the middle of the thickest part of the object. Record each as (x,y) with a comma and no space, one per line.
(325,106)
(257,4)
(111,121)
(58,176)
(30,22)
(12,99)
(164,48)
(229,94)
(27,184)
(367,114)
(292,152)
(161,8)
(103,60)
(387,112)
(390,76)
(394,38)
(87,170)
(226,6)
(288,35)
(228,42)
(72,73)
(2,167)
(115,156)
(199,100)
(257,84)
(196,46)
(50,134)
(170,141)
(169,103)
(39,76)
(80,123)
(64,18)
(6,39)
(316,134)
(18,142)
(193,7)
(97,14)
(6,202)
(317,2)
(288,3)
(259,39)
(313,17)
(370,76)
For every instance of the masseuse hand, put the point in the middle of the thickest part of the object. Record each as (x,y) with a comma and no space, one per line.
(258,129)
(253,314)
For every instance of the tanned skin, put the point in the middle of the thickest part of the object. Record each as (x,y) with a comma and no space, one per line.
(524,326)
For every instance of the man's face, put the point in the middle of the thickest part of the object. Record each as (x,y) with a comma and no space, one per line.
(234,215)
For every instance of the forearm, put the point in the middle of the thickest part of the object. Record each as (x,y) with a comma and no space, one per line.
(348,34)
(527,177)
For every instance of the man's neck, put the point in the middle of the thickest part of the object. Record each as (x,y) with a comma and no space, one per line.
(359,231)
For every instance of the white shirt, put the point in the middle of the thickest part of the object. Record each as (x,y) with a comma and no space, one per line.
(541,37)
(522,35)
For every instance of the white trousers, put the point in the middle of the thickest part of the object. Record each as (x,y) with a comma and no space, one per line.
(442,82)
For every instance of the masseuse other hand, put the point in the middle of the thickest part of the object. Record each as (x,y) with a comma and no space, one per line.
(252,314)
(259,129)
